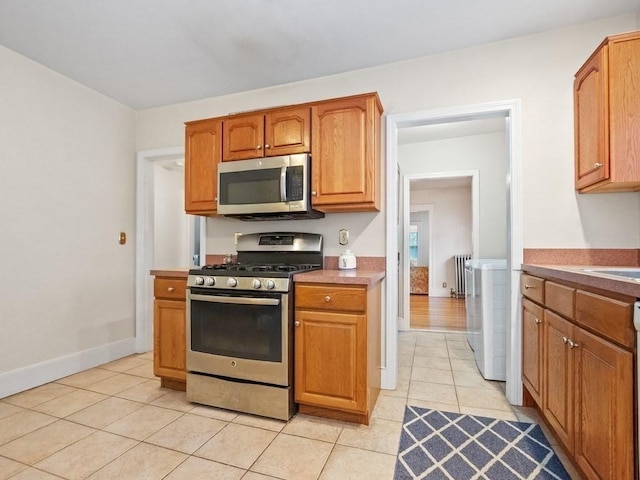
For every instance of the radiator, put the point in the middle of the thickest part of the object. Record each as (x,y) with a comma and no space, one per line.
(460,283)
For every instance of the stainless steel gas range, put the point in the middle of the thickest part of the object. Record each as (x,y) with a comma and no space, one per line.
(240,324)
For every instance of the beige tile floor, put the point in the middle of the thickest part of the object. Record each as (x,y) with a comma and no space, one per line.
(116,421)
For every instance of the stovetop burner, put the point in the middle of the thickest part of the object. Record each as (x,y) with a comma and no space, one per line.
(277,267)
(264,261)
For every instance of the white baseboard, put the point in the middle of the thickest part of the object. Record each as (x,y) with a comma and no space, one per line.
(38,374)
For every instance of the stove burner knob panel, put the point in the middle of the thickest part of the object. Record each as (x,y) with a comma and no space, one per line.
(210,281)
(256,283)
(199,281)
(231,282)
(270,284)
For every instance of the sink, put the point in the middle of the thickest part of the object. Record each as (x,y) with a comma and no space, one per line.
(630,273)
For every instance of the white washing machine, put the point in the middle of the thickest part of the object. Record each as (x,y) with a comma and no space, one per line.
(486,306)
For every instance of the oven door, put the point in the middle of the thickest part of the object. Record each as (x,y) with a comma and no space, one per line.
(243,336)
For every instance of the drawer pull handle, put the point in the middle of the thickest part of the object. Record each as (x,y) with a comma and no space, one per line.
(527,286)
(170,289)
(537,320)
(327,299)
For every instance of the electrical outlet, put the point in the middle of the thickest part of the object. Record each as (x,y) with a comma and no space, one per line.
(343,237)
(444,284)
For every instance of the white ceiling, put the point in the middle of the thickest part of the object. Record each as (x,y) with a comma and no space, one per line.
(442,131)
(147,53)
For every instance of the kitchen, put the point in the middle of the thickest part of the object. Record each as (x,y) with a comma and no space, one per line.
(99,166)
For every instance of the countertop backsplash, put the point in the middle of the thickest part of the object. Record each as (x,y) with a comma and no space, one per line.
(613,257)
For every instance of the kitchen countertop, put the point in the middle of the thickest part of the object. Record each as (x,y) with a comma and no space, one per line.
(577,274)
(172,272)
(353,277)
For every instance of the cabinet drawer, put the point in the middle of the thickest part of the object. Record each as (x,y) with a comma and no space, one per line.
(331,297)
(559,298)
(532,287)
(607,316)
(170,288)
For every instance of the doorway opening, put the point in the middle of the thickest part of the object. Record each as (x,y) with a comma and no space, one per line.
(448,203)
(166,238)
(509,111)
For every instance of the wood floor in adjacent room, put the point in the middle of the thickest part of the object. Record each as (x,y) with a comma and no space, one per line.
(438,313)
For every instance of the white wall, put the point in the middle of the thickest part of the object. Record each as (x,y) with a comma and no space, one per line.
(488,155)
(451,232)
(67,188)
(537,69)
(170,249)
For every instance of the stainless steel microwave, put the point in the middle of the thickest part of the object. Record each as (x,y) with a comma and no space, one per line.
(266,188)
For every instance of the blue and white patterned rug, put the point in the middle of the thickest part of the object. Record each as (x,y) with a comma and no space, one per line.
(444,445)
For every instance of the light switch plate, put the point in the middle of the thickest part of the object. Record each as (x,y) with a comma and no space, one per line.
(343,237)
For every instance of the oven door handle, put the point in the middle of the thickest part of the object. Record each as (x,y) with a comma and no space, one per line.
(236,300)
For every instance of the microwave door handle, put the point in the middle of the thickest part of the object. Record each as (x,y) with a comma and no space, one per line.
(283,184)
(235,300)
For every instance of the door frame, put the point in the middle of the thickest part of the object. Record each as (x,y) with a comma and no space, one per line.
(145,162)
(511,111)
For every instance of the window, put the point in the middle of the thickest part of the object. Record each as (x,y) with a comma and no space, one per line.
(413,244)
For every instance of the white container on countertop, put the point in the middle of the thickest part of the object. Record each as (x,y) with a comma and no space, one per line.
(347,261)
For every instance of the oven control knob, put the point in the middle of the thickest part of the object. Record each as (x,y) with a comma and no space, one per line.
(256,283)
(199,281)
(210,281)
(231,282)
(270,284)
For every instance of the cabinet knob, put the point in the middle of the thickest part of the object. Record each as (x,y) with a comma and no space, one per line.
(598,165)
(313,193)
(572,344)
(259,147)
(327,299)
(296,323)
(565,340)
(267,146)
(170,289)
(537,320)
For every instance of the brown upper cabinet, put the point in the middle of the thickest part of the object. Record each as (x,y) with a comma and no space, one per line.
(606,110)
(346,154)
(283,131)
(342,134)
(203,150)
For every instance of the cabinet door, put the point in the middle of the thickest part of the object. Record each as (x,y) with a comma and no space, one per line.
(203,145)
(532,351)
(243,137)
(557,402)
(604,408)
(169,342)
(624,110)
(287,131)
(345,153)
(590,112)
(330,360)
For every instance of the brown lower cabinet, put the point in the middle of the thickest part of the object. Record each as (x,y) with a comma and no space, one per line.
(337,350)
(580,377)
(169,334)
